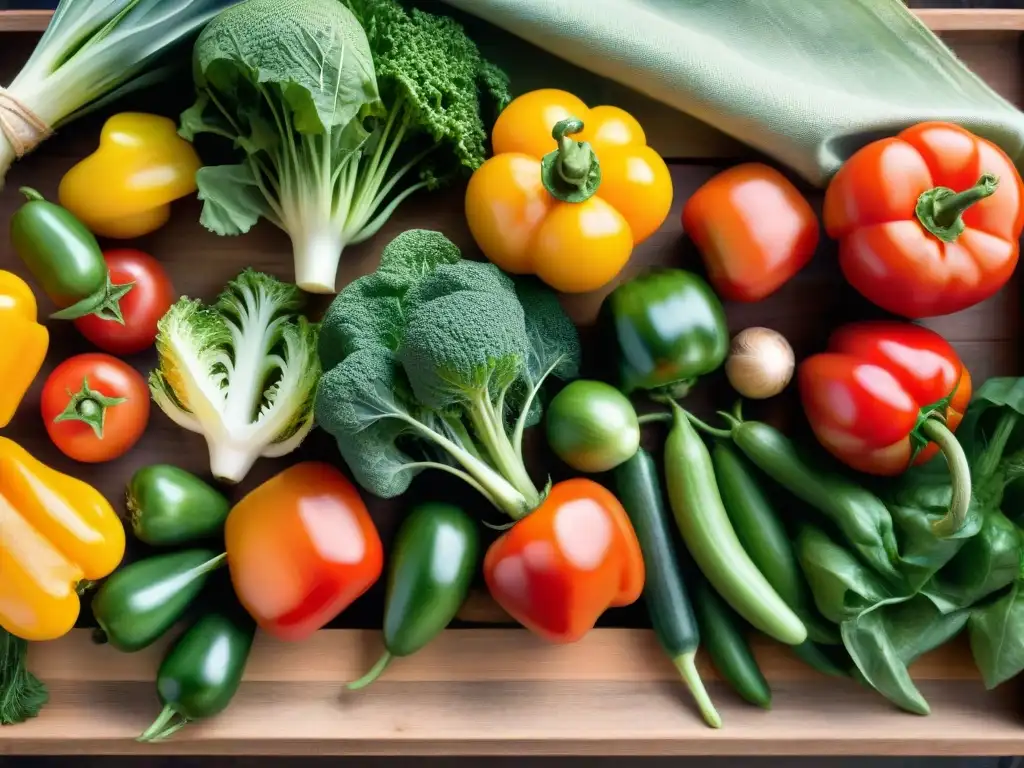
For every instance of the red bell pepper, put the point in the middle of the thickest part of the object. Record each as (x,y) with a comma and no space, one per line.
(928,221)
(558,569)
(886,395)
(301,548)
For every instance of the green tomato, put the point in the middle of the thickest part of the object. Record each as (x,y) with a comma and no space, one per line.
(592,427)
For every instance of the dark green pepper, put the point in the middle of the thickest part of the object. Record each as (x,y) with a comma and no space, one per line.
(64,257)
(201,673)
(170,506)
(670,329)
(140,602)
(433,562)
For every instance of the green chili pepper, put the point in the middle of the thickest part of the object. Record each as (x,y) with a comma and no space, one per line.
(702,520)
(764,538)
(859,514)
(170,506)
(202,671)
(140,602)
(670,329)
(728,648)
(64,257)
(432,566)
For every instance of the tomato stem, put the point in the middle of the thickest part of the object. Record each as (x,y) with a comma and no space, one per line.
(89,407)
(572,172)
(940,209)
(959,473)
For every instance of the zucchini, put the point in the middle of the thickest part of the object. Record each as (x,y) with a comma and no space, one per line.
(665,595)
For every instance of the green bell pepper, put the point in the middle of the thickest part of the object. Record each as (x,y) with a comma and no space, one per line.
(669,328)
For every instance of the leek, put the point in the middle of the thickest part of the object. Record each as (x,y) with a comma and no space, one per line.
(92,52)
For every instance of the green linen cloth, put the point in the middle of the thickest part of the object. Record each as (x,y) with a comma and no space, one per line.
(807,82)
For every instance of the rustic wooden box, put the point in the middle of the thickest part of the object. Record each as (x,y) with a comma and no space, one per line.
(499,690)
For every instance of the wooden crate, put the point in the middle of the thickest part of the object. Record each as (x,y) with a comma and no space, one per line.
(499,690)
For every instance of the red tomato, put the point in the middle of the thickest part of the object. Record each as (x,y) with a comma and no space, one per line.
(301,548)
(95,407)
(149,299)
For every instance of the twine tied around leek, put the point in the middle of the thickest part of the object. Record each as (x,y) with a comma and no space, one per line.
(23,128)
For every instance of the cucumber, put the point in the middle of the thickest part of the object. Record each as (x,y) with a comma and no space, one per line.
(665,595)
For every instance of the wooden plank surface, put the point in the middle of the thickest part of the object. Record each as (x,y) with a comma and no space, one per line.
(501,692)
(476,692)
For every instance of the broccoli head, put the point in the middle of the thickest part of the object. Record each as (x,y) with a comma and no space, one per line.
(455,376)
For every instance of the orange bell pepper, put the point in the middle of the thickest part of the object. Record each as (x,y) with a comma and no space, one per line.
(57,532)
(24,344)
(563,565)
(569,191)
(301,548)
(125,188)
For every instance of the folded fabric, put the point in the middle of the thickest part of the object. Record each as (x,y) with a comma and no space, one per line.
(807,82)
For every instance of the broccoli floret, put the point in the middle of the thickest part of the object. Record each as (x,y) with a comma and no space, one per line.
(370,311)
(452,386)
(243,373)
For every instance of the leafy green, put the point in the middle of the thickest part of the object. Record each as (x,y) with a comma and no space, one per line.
(943,582)
(435,87)
(885,639)
(94,51)
(997,636)
(22,695)
(432,362)
(290,83)
(242,372)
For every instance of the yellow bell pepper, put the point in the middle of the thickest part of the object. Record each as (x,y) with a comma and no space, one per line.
(124,189)
(23,343)
(56,533)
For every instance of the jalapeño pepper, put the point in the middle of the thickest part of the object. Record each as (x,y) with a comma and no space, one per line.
(64,257)
(669,328)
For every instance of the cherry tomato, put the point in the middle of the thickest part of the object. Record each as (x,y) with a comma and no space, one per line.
(95,407)
(149,299)
(301,548)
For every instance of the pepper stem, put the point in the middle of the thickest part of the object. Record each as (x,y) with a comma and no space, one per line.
(375,671)
(960,477)
(688,671)
(572,172)
(88,406)
(940,209)
(163,726)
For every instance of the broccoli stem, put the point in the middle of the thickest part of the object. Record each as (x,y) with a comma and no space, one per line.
(502,493)
(491,430)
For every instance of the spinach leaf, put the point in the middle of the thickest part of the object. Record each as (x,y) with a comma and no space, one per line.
(885,640)
(985,564)
(997,637)
(842,586)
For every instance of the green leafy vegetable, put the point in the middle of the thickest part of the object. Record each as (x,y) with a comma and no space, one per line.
(290,83)
(21,694)
(92,52)
(997,636)
(884,640)
(432,362)
(435,85)
(242,372)
(328,158)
